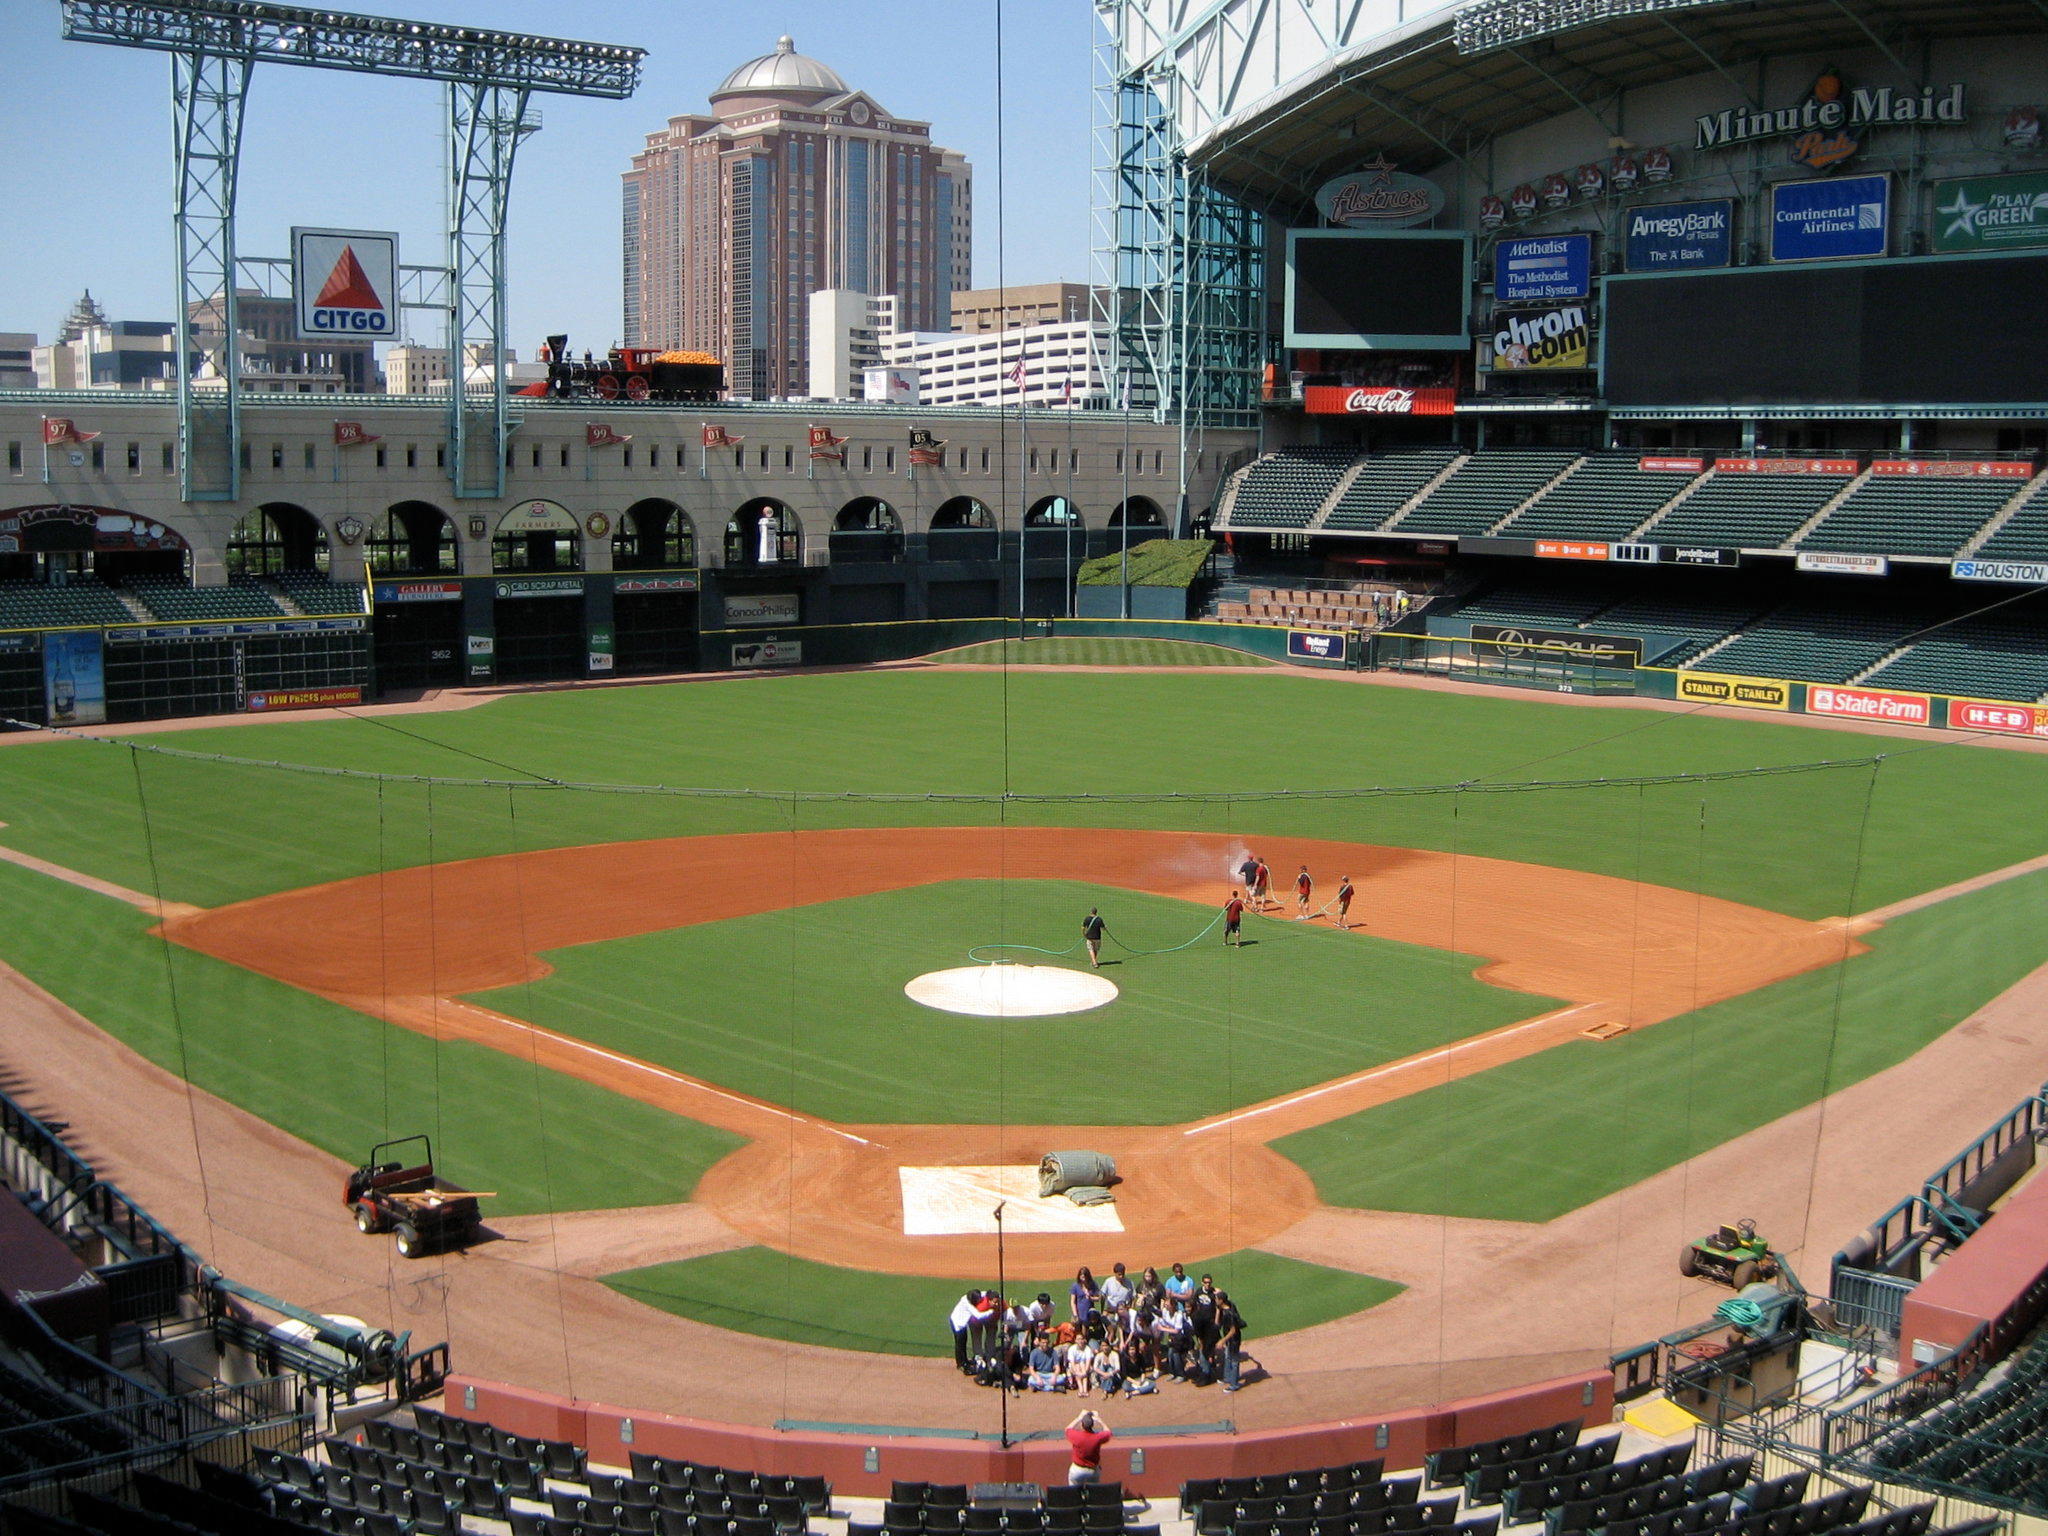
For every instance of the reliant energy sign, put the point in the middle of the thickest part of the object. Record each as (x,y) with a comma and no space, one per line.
(345,283)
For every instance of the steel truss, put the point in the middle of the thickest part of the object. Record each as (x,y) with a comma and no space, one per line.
(1179,263)
(490,76)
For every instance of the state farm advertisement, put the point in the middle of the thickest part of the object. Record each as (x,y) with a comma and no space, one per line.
(1344,400)
(1870,704)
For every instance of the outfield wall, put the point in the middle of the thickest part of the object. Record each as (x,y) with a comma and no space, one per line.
(864,1464)
(855,645)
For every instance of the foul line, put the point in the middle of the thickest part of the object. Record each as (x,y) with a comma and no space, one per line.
(1949,892)
(1405,1064)
(140,900)
(648,1067)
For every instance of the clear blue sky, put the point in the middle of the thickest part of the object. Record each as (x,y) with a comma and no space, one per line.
(86,130)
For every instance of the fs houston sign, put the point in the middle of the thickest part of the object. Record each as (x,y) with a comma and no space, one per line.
(345,283)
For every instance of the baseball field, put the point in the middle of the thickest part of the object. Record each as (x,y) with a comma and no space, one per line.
(642,950)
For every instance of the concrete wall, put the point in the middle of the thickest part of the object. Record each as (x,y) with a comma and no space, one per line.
(1093,459)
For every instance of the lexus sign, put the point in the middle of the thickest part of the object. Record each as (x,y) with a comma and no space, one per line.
(1340,400)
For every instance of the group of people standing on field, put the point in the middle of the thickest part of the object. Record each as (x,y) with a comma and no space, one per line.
(1257,894)
(1120,1335)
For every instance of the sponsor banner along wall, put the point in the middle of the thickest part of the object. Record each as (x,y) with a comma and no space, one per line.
(1748,692)
(265,699)
(768,653)
(1830,220)
(1991,213)
(2007,719)
(1691,466)
(2032,573)
(762,608)
(1869,704)
(1549,338)
(1786,467)
(1957,469)
(1541,269)
(1516,640)
(1315,645)
(1675,237)
(1843,565)
(1340,400)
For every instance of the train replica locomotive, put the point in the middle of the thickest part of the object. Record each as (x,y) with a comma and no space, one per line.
(629,373)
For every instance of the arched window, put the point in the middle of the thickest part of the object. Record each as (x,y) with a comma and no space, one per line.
(763,532)
(1053,512)
(413,538)
(537,536)
(276,537)
(963,512)
(867,514)
(1138,512)
(654,535)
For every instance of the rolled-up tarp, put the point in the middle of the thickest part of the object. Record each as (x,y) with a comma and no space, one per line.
(1090,1194)
(1059,1172)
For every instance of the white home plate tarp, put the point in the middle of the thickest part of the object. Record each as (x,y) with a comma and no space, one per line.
(1011,991)
(948,1202)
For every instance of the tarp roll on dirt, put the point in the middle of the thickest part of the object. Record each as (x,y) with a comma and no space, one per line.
(1059,1172)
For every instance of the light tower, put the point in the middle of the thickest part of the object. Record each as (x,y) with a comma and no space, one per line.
(490,76)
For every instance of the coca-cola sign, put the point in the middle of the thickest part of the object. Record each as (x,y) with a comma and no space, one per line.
(1341,400)
(1379,197)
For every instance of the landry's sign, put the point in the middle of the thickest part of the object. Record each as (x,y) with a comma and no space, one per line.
(1337,400)
(1786,466)
(1957,469)
(1830,113)
(1555,338)
(1379,197)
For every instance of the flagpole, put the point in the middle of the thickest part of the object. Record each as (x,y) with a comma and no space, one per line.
(1002,1304)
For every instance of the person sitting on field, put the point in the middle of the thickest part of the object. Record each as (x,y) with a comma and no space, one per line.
(1107,1369)
(1080,1361)
(1046,1374)
(1174,1336)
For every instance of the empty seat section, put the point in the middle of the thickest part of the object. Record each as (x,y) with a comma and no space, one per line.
(1384,485)
(1745,511)
(1485,489)
(1547,605)
(1825,645)
(33,605)
(1991,657)
(1607,497)
(2025,534)
(171,597)
(314,593)
(1697,622)
(1907,515)
(1284,489)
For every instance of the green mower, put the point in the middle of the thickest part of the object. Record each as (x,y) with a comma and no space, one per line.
(1732,1256)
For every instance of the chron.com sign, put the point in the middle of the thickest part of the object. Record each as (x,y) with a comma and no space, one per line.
(1553,338)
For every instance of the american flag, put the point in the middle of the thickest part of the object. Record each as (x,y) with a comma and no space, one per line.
(1017,373)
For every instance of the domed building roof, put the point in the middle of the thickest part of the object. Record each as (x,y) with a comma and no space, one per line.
(785,72)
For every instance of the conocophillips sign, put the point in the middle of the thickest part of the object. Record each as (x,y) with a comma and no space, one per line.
(1554,338)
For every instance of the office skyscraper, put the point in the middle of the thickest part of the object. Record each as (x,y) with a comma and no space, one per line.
(793,182)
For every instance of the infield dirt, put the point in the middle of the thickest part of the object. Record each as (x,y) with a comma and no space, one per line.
(405,944)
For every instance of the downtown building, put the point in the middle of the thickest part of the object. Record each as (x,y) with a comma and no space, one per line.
(792,183)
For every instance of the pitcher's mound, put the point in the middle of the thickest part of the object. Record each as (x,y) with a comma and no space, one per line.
(1011,991)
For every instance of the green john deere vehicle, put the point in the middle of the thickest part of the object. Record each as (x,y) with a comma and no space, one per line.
(1733,1256)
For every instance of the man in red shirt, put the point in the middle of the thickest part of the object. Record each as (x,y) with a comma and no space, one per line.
(1304,889)
(1233,917)
(1086,1437)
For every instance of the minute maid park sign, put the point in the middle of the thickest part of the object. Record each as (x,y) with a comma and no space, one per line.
(1831,110)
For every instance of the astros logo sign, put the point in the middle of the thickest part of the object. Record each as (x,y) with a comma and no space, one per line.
(345,282)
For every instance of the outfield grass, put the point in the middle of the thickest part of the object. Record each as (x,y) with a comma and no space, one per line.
(1079,651)
(806,1007)
(760,1291)
(1798,843)
(340,1080)
(1536,1138)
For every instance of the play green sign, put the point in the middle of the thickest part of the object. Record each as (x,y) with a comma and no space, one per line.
(1991,213)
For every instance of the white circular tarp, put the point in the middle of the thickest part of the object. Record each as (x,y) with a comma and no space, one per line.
(1011,991)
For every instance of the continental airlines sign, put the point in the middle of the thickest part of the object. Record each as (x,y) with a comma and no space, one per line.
(1832,114)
